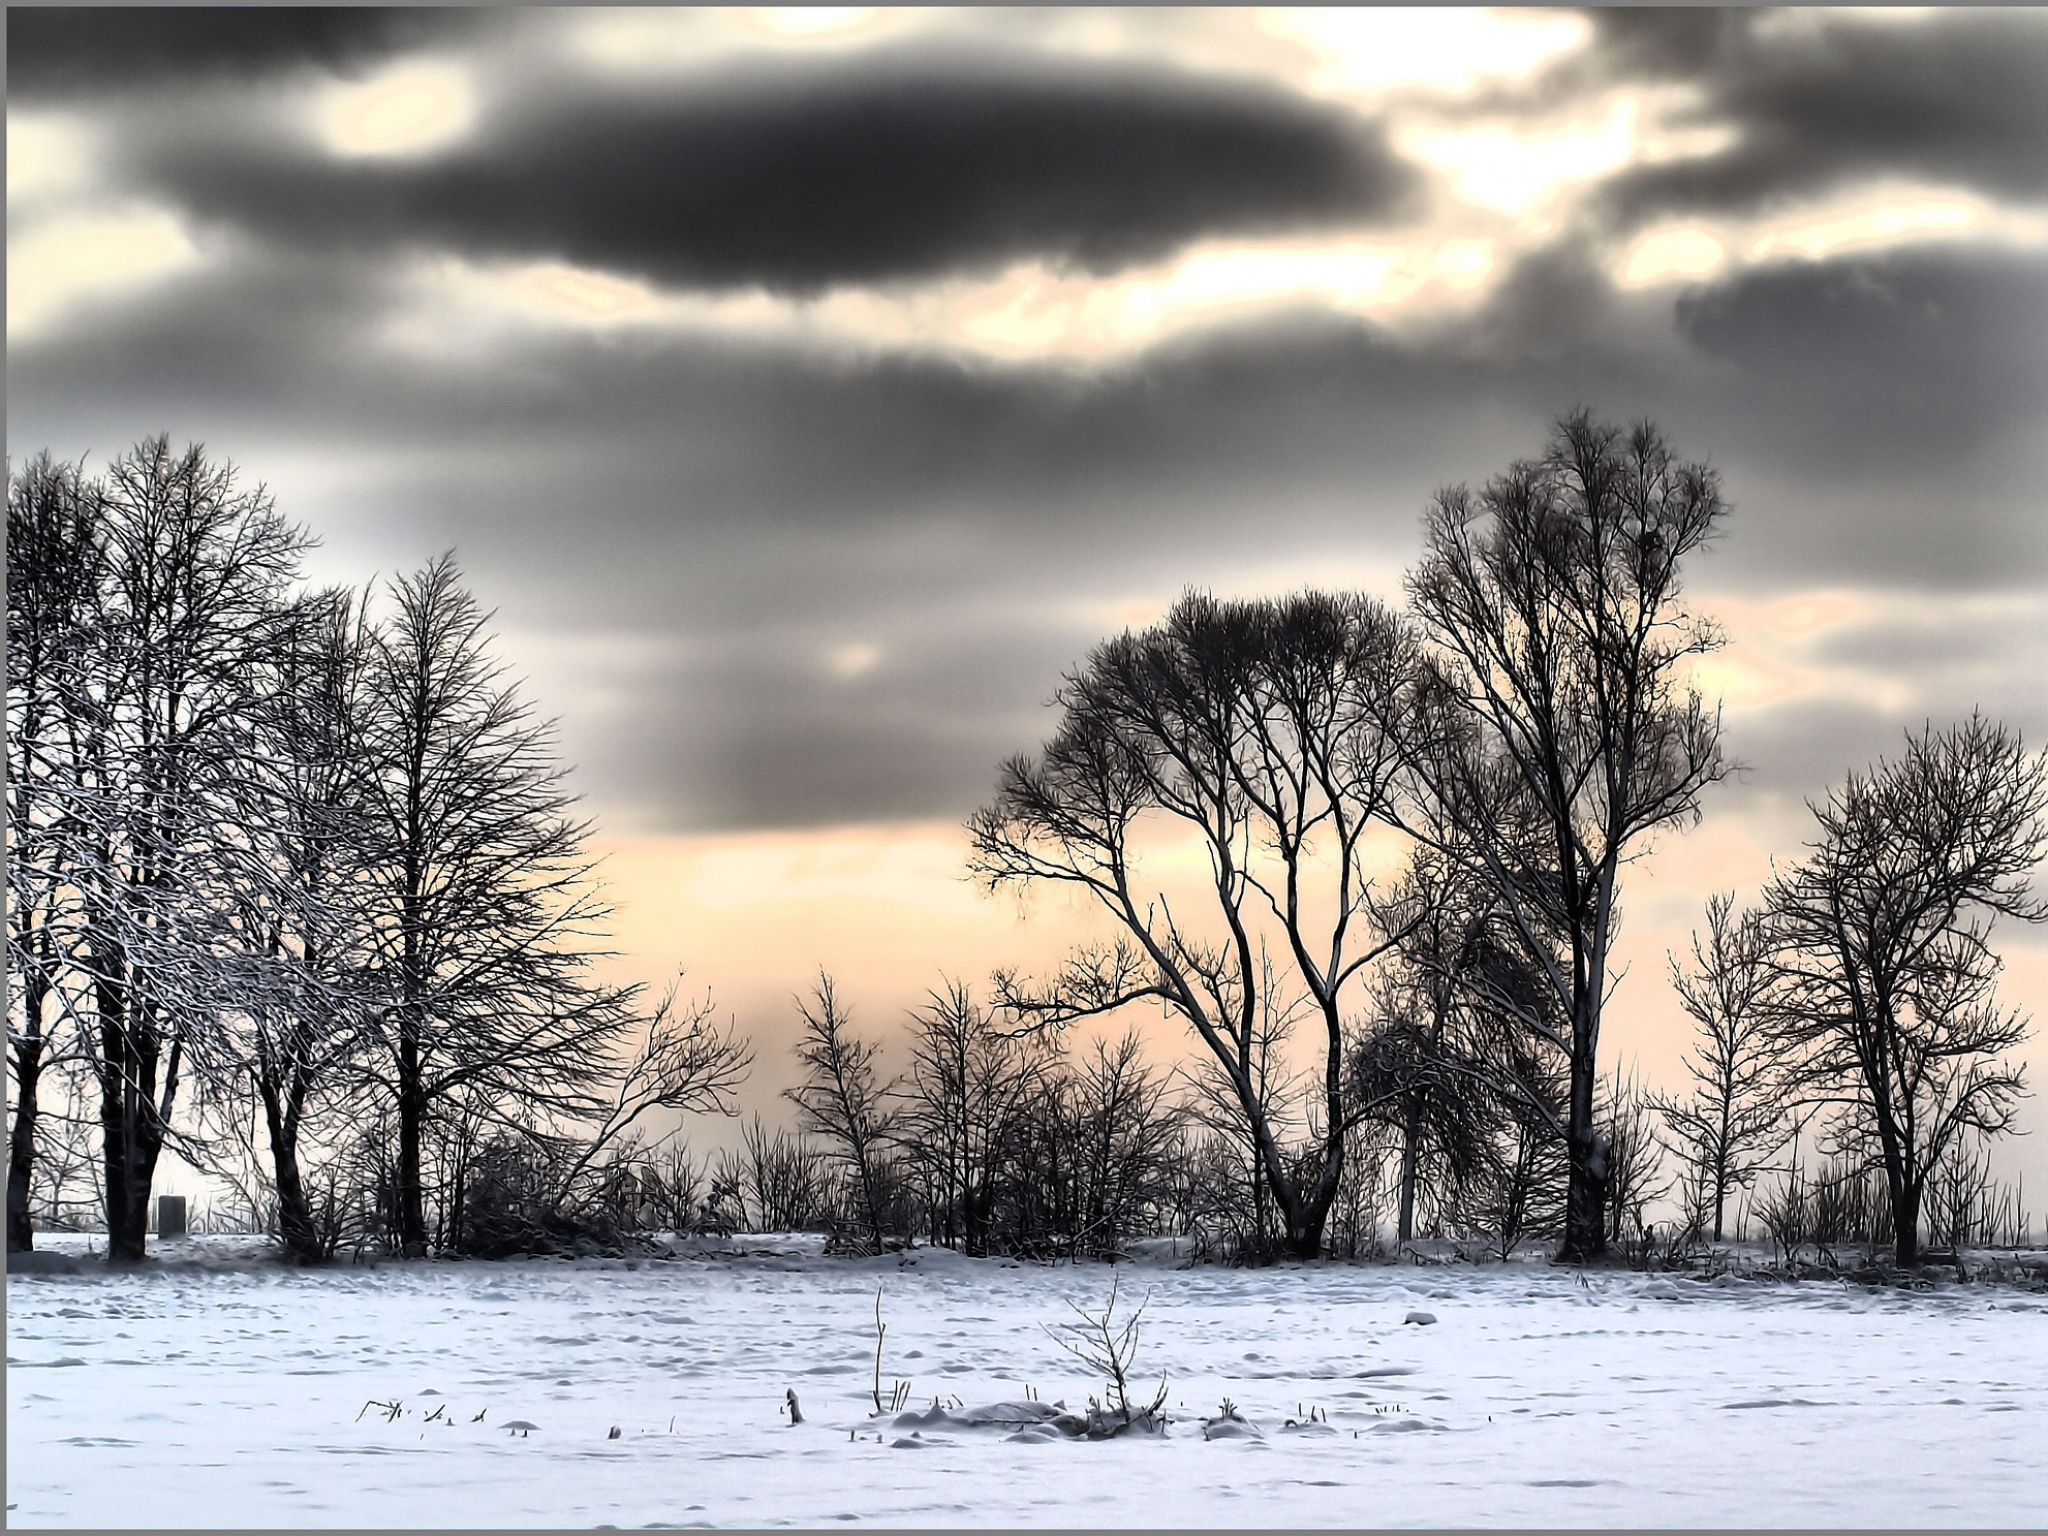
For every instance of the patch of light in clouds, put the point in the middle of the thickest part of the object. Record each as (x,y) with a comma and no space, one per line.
(1510,169)
(1885,221)
(1866,220)
(1685,253)
(418,106)
(76,257)
(49,156)
(1792,647)
(637,39)
(853,660)
(1368,51)
(1029,311)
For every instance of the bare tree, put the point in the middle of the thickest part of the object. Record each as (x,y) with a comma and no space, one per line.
(786,1176)
(69,1174)
(1127,1128)
(1884,979)
(1727,1130)
(684,1063)
(1551,728)
(1520,1188)
(191,589)
(1635,1163)
(55,561)
(1260,729)
(1242,1200)
(844,1101)
(485,911)
(969,1080)
(1414,1062)
(294,958)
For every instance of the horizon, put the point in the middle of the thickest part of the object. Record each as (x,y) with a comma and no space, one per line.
(806,393)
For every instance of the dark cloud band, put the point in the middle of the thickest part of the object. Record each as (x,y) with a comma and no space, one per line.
(799,178)
(65,49)
(1818,102)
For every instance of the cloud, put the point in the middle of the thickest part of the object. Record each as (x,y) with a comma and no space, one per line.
(1925,356)
(1821,101)
(1834,393)
(797,176)
(758,730)
(841,585)
(61,50)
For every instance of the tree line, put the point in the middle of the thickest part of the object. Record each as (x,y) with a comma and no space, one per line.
(293,859)
(310,852)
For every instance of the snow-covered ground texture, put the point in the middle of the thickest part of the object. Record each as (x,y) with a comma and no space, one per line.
(218,1391)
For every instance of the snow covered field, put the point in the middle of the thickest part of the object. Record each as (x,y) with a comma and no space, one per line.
(212,1392)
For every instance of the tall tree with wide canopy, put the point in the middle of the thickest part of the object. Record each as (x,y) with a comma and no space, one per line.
(192,579)
(1552,725)
(1260,730)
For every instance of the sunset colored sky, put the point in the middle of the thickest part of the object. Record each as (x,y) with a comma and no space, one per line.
(805,390)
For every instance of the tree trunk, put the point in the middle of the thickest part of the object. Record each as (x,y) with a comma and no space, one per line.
(978,1211)
(1585,1212)
(131,1156)
(1411,1169)
(1905,1221)
(1308,1215)
(1585,1208)
(1304,1238)
(412,1203)
(131,1135)
(21,1141)
(296,1227)
(21,1147)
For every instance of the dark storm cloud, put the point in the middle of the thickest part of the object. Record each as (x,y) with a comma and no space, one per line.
(1959,98)
(65,50)
(772,440)
(799,176)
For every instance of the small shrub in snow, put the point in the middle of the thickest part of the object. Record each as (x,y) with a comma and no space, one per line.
(1097,1341)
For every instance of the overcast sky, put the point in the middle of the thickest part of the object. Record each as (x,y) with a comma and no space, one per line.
(806,390)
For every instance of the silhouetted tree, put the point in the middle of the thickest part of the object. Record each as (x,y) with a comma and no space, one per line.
(970,1079)
(1519,1189)
(1734,1120)
(55,563)
(1551,728)
(1635,1161)
(683,1061)
(1260,729)
(484,911)
(1414,1059)
(295,957)
(844,1102)
(191,593)
(1884,979)
(1127,1130)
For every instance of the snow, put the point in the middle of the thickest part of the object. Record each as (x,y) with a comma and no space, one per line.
(215,1389)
